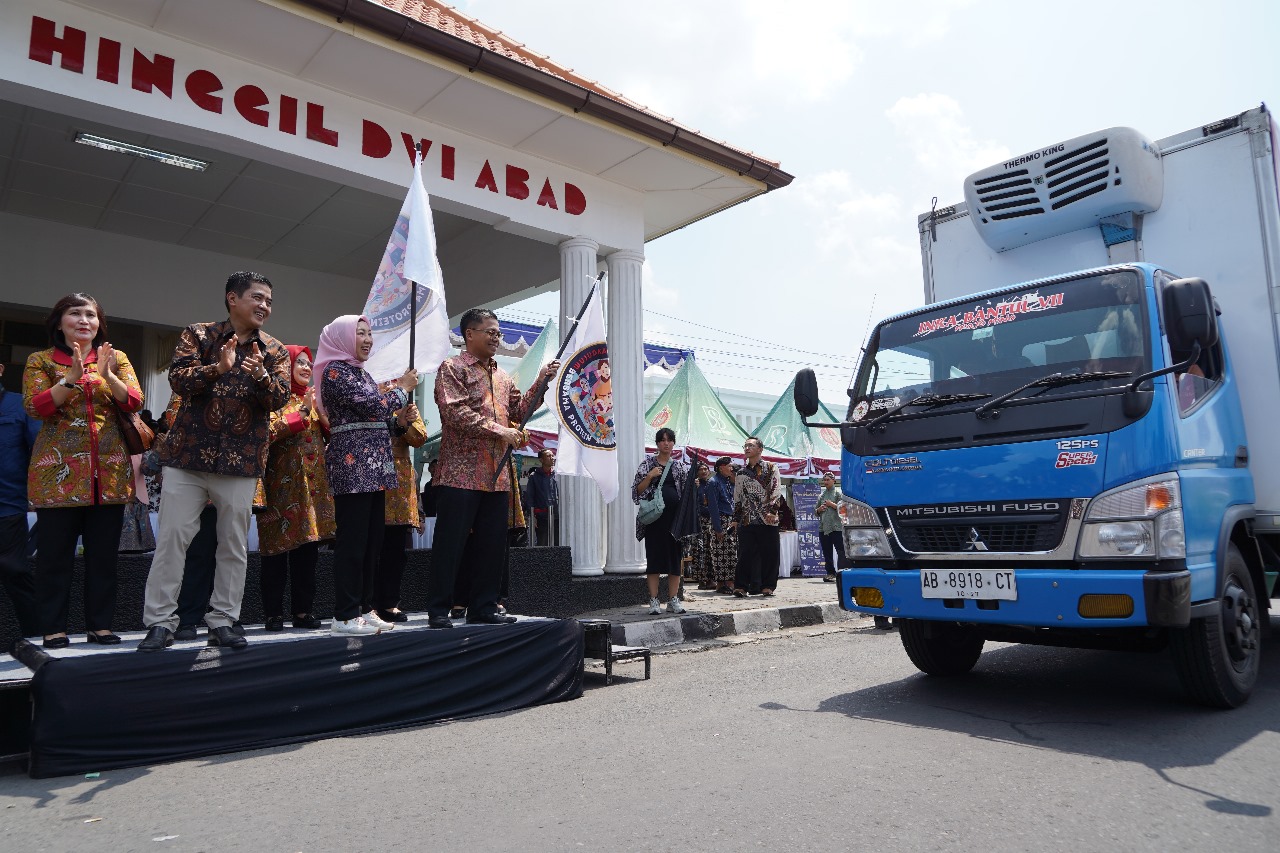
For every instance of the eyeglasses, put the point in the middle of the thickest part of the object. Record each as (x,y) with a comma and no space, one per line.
(493,333)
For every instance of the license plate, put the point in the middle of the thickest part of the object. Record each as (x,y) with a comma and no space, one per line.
(982,584)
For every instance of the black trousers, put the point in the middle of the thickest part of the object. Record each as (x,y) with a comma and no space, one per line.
(56,533)
(361,520)
(758,553)
(542,528)
(16,574)
(832,550)
(386,586)
(470,539)
(299,566)
(197,571)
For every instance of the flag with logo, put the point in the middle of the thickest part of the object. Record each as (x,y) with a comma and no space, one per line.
(410,257)
(583,401)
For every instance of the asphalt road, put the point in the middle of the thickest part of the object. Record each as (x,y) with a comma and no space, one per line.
(804,741)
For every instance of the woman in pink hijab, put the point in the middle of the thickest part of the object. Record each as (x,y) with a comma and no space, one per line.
(359,465)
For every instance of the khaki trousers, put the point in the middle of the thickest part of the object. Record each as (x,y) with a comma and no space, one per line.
(184,495)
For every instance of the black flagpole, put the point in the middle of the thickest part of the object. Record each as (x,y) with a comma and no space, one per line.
(541,387)
(413,297)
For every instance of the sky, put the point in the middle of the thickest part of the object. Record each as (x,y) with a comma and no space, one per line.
(875,108)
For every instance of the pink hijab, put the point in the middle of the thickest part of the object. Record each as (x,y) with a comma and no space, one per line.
(337,343)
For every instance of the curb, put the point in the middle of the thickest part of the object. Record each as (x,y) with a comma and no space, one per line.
(676,630)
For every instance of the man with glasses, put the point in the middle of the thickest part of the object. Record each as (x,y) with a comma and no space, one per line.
(757,493)
(478,405)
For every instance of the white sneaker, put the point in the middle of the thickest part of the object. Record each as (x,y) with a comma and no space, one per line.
(377,621)
(674,606)
(356,627)
(655,607)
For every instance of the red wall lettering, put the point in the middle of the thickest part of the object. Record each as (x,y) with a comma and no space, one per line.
(249,101)
(547,198)
(517,182)
(45,43)
(149,74)
(109,60)
(447,161)
(375,141)
(201,86)
(574,201)
(315,126)
(486,180)
(288,114)
(409,143)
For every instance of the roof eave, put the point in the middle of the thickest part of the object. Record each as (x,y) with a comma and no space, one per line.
(400,28)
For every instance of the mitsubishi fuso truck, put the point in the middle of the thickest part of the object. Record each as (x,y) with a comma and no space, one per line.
(1076,441)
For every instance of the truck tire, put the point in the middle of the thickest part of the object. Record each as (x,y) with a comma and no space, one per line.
(1217,656)
(940,648)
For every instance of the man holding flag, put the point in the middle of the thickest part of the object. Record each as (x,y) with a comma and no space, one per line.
(472,483)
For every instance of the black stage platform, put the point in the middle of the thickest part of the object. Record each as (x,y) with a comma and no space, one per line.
(98,709)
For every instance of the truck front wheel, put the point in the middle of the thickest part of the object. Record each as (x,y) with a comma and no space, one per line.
(1217,656)
(940,648)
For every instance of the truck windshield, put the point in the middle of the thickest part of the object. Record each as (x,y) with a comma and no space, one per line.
(1094,324)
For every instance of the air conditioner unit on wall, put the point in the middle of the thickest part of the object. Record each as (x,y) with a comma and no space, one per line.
(1065,187)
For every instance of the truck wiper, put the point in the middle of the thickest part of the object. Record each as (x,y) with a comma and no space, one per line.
(929,401)
(1053,380)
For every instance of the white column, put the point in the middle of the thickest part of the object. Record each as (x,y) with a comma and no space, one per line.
(581,507)
(626,362)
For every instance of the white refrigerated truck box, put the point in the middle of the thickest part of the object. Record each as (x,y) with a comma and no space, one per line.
(1202,203)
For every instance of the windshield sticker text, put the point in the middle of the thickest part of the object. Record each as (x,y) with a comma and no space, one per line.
(991,315)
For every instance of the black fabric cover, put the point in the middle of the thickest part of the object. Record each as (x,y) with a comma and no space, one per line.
(127,709)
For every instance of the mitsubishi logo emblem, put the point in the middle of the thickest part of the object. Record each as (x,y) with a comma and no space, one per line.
(975,540)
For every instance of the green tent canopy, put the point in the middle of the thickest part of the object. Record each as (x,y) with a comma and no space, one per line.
(689,406)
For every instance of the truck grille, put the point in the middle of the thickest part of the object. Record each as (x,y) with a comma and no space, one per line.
(995,526)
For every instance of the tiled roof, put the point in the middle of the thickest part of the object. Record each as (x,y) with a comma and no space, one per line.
(452,22)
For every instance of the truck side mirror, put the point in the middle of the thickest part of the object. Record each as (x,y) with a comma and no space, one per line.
(1189,315)
(805,393)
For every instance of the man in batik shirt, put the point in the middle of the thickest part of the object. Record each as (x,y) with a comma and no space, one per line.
(757,493)
(474,396)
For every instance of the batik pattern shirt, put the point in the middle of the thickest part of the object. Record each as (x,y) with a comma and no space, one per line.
(358,458)
(79,457)
(402,501)
(472,397)
(222,426)
(298,507)
(757,489)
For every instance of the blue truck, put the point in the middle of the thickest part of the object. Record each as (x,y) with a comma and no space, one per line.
(1056,448)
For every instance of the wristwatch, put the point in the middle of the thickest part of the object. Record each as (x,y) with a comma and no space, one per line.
(70,386)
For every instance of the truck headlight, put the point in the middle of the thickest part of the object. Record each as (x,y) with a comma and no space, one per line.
(863,535)
(1142,520)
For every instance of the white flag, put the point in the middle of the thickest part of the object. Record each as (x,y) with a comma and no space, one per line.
(410,257)
(583,399)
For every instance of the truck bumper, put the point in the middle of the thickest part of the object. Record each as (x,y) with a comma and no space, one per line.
(1047,598)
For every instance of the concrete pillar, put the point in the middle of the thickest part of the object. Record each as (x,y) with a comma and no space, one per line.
(581,507)
(626,360)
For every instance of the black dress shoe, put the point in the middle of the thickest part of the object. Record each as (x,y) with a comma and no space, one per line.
(224,636)
(103,639)
(308,621)
(57,642)
(237,628)
(275,623)
(393,615)
(185,632)
(493,619)
(158,637)
(439,622)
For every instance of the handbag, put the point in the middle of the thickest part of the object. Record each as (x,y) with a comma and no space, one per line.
(651,509)
(138,437)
